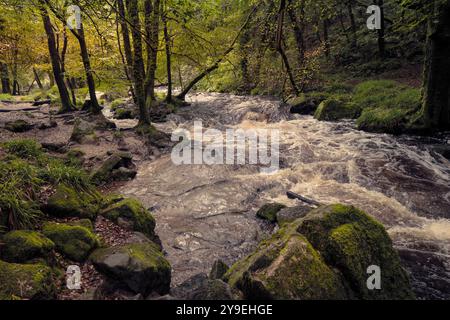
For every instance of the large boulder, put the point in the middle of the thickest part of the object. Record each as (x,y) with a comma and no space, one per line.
(141,267)
(218,270)
(286,267)
(333,110)
(26,281)
(352,241)
(304,105)
(269,211)
(324,255)
(132,214)
(108,170)
(69,202)
(288,215)
(200,287)
(18,126)
(83,131)
(73,241)
(24,246)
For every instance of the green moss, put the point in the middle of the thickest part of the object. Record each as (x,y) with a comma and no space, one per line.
(24,246)
(132,211)
(117,103)
(333,109)
(31,281)
(351,241)
(70,202)
(269,211)
(74,242)
(103,173)
(122,113)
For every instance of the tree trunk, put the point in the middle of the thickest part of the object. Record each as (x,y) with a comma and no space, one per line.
(138,63)
(66,104)
(436,97)
(63,67)
(37,79)
(298,26)
(125,38)
(152,16)
(326,40)
(168,59)
(16,88)
(6,86)
(353,27)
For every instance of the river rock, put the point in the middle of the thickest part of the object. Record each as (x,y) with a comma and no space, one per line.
(133,214)
(73,241)
(18,126)
(142,267)
(200,287)
(288,215)
(218,270)
(324,255)
(26,281)
(83,131)
(104,172)
(333,110)
(68,202)
(303,105)
(23,246)
(269,211)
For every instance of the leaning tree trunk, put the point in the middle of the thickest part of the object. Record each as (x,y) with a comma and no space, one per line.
(54,57)
(138,63)
(436,92)
(6,86)
(37,79)
(298,26)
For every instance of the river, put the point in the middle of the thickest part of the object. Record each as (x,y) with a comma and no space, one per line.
(205,213)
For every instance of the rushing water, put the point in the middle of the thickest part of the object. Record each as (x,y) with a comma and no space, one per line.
(206,213)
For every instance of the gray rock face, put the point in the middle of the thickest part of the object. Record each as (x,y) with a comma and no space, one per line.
(288,215)
(140,267)
(218,270)
(18,126)
(200,287)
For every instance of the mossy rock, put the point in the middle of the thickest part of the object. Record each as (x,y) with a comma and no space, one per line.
(352,241)
(269,211)
(23,246)
(200,287)
(122,113)
(131,212)
(26,281)
(286,266)
(74,242)
(70,202)
(18,126)
(333,110)
(104,172)
(218,270)
(81,130)
(288,215)
(303,104)
(141,267)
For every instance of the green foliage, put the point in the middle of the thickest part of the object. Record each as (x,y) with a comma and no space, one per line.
(23,148)
(6,97)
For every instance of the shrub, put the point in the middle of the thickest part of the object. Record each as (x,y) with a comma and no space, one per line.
(23,148)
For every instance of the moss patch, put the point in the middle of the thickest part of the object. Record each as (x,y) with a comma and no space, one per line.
(333,110)
(74,242)
(24,246)
(269,211)
(31,281)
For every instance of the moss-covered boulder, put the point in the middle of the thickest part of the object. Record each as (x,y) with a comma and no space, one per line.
(72,241)
(26,281)
(141,267)
(286,267)
(333,110)
(131,213)
(18,126)
(104,172)
(70,202)
(269,211)
(352,241)
(200,287)
(82,131)
(303,104)
(218,270)
(24,246)
(288,215)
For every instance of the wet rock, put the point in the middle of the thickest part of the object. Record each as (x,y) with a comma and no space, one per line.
(324,255)
(269,211)
(333,110)
(132,214)
(72,241)
(26,281)
(18,126)
(142,267)
(200,287)
(218,270)
(288,215)
(303,105)
(104,173)
(25,246)
(443,150)
(123,174)
(351,241)
(68,202)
